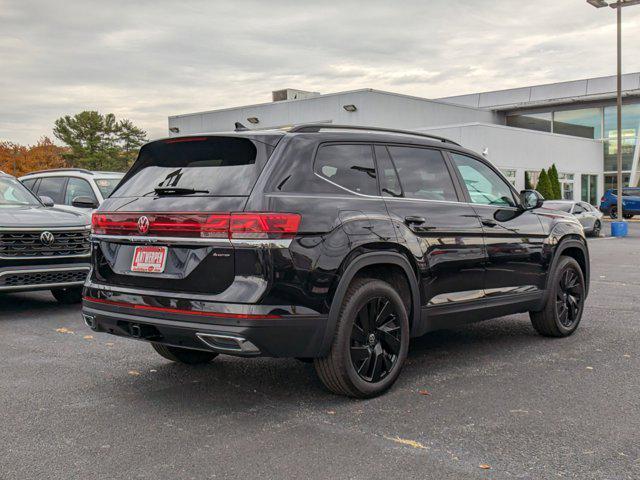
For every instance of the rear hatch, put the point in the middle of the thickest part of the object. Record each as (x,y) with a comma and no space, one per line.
(166,226)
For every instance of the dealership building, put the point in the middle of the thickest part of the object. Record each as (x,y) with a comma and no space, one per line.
(571,124)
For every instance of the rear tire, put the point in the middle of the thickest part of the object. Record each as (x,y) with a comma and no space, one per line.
(67,296)
(562,313)
(613,213)
(627,216)
(370,343)
(183,355)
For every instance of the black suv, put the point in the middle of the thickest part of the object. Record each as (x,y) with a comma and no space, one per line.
(41,248)
(326,243)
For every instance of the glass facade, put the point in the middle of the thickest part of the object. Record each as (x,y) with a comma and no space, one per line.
(566,185)
(533,121)
(585,122)
(599,123)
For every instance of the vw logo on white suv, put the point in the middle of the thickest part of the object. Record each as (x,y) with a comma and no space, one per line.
(47,238)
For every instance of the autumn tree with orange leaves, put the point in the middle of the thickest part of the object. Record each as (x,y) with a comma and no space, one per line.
(19,160)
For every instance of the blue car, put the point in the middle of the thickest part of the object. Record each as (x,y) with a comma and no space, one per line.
(630,202)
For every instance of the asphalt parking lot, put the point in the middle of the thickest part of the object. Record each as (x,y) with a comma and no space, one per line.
(74,404)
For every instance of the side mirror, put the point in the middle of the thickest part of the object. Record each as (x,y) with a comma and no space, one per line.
(84,202)
(531,199)
(48,201)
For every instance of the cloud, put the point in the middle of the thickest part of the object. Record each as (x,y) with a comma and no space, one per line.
(146,60)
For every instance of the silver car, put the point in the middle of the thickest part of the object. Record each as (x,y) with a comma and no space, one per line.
(588,215)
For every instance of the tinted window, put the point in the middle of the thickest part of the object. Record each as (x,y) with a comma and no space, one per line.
(210,165)
(389,182)
(350,166)
(485,186)
(53,187)
(423,173)
(578,208)
(77,187)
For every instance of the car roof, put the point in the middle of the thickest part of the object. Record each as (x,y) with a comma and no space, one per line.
(72,172)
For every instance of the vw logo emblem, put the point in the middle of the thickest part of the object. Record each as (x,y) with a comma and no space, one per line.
(143,225)
(47,238)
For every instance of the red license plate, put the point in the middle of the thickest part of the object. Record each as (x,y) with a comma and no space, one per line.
(149,259)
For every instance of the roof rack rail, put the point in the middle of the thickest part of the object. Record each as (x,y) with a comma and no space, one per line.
(316,127)
(82,170)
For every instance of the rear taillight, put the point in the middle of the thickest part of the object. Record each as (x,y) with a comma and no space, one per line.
(603,199)
(200,225)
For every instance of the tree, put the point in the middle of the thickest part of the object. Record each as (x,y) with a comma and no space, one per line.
(20,159)
(99,142)
(555,182)
(544,186)
(527,182)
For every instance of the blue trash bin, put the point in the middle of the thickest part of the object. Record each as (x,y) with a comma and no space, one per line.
(619,229)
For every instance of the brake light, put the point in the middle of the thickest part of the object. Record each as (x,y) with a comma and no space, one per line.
(198,225)
(603,199)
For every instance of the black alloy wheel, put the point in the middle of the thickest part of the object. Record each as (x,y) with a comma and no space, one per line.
(596,228)
(569,298)
(613,213)
(376,339)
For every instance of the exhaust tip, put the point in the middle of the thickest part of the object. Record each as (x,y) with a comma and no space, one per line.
(228,343)
(89,321)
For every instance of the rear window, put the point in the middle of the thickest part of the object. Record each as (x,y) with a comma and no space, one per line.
(218,166)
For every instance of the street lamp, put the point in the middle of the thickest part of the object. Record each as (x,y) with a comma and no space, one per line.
(618,6)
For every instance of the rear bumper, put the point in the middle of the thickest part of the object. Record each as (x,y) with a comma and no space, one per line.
(287,335)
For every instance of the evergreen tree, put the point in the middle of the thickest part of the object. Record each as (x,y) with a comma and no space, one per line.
(555,182)
(544,186)
(527,182)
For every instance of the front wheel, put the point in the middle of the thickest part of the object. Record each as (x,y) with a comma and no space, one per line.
(565,302)
(183,355)
(596,229)
(67,296)
(370,343)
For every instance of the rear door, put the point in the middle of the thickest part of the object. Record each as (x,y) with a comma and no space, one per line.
(171,216)
(433,222)
(514,237)
(583,215)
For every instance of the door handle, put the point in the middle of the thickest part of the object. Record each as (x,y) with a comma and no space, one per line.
(414,220)
(488,222)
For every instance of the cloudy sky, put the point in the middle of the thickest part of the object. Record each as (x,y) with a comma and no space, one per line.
(148,59)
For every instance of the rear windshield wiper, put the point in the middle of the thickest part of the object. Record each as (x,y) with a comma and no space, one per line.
(177,191)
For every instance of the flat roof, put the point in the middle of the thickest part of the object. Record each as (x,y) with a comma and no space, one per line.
(590,89)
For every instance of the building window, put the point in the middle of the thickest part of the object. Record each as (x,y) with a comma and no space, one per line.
(585,122)
(630,130)
(532,121)
(589,189)
(611,180)
(566,185)
(510,174)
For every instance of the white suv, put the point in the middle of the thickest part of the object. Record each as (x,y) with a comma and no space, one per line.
(73,189)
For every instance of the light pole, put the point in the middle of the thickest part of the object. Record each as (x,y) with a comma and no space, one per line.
(618,6)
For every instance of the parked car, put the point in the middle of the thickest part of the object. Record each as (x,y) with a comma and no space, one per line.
(630,202)
(327,243)
(73,189)
(589,216)
(41,247)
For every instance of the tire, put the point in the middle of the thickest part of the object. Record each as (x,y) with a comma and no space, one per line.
(563,299)
(627,216)
(67,296)
(363,361)
(613,213)
(597,227)
(183,355)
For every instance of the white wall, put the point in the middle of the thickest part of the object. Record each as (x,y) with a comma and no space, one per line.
(374,108)
(520,150)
